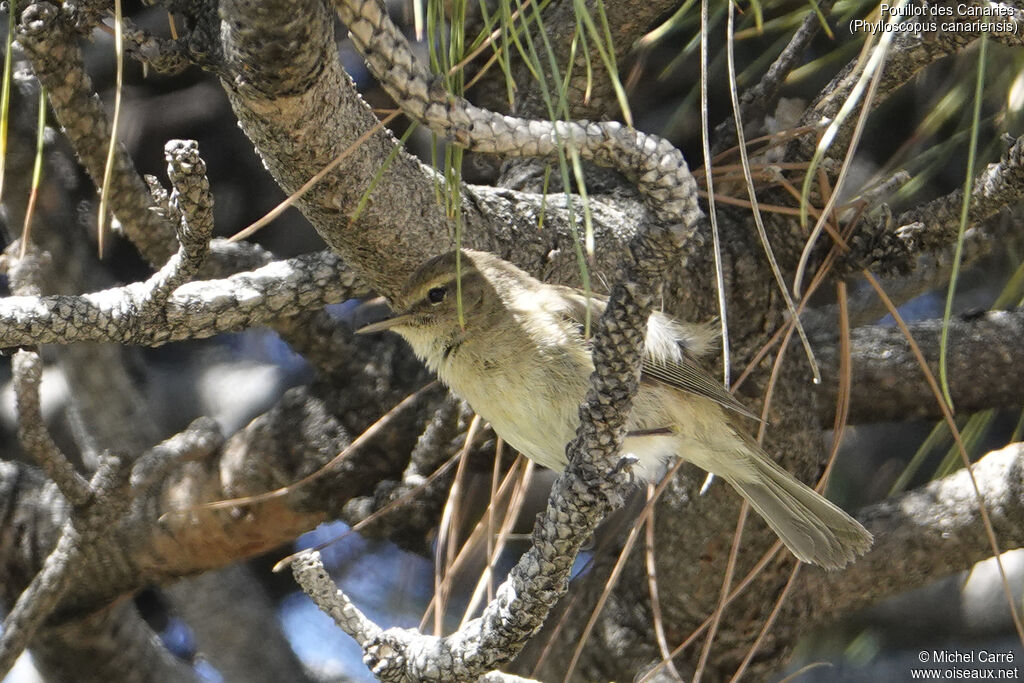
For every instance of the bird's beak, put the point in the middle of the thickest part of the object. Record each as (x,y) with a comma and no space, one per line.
(385,324)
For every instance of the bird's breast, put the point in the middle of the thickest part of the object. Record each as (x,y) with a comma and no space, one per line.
(529,394)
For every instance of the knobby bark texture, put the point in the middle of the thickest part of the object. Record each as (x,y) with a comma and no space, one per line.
(121,503)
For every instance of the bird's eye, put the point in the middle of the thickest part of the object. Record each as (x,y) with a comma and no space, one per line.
(436,295)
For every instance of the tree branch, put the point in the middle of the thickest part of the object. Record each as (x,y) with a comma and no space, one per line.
(757,100)
(106,503)
(985,365)
(194,311)
(925,534)
(50,43)
(893,245)
(301,113)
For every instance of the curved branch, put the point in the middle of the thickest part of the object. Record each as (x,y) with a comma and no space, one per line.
(657,168)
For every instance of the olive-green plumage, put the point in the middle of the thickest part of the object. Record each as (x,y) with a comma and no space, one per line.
(522,362)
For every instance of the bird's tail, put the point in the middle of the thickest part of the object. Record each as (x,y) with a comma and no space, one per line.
(816,530)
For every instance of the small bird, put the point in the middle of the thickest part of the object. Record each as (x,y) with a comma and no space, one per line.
(520,358)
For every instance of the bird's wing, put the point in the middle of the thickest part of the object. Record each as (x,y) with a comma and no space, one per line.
(688,375)
(684,373)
